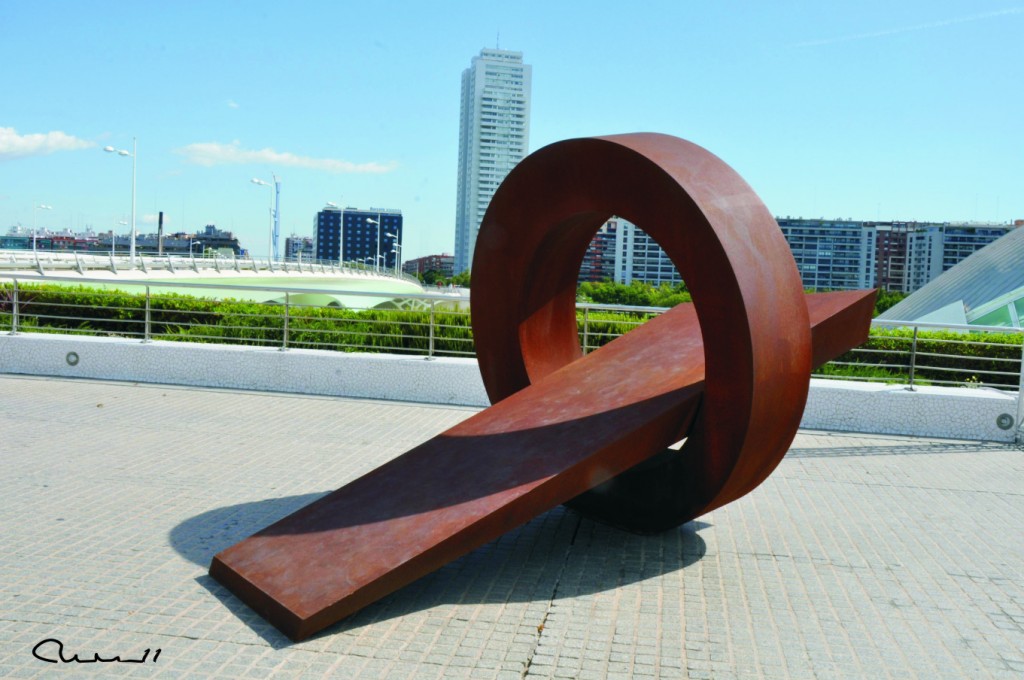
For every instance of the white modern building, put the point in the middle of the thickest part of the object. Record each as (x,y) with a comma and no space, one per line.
(638,257)
(623,253)
(494,135)
(960,240)
(831,254)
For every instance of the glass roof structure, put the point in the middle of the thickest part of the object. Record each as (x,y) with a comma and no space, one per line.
(985,289)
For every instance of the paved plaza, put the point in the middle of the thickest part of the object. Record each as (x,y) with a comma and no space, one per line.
(863,556)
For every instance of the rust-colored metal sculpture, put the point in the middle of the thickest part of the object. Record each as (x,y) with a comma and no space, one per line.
(729,373)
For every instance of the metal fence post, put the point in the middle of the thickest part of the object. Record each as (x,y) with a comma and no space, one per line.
(430,347)
(14,310)
(287,305)
(147,331)
(586,328)
(913,359)
(1019,438)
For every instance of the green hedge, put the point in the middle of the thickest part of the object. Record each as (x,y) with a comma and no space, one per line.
(186,318)
(332,329)
(943,356)
(50,308)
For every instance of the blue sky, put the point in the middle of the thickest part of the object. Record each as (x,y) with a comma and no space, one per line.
(869,110)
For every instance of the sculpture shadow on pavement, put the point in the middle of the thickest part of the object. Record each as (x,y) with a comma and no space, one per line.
(557,555)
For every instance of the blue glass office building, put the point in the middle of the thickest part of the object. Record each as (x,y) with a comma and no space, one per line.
(359,236)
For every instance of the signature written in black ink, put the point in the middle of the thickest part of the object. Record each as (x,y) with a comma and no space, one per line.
(96,658)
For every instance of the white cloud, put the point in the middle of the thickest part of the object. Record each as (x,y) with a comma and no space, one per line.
(13,145)
(154,218)
(232,104)
(215,153)
(911,29)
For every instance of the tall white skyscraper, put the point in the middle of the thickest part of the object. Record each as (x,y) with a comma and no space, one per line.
(494,135)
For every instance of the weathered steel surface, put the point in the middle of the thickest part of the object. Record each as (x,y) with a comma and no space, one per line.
(730,373)
(573,430)
(472,483)
(730,252)
(650,497)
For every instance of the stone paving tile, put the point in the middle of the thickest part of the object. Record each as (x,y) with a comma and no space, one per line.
(863,556)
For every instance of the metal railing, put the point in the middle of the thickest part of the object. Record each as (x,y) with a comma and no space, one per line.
(428,324)
(599,324)
(57,262)
(923,353)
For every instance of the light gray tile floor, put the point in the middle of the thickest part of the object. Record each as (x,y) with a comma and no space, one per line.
(862,556)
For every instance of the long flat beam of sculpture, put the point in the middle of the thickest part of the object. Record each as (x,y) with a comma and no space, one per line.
(470,484)
(521,457)
(729,374)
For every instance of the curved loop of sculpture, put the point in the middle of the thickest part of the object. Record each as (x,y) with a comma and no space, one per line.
(728,249)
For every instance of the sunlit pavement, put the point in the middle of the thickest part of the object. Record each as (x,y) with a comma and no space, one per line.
(862,556)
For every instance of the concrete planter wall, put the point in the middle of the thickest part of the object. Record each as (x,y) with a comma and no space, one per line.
(953,412)
(959,413)
(303,371)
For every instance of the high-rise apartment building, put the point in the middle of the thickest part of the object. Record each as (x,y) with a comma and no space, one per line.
(960,240)
(638,257)
(895,256)
(599,260)
(298,248)
(831,254)
(623,253)
(907,254)
(442,264)
(494,135)
(361,236)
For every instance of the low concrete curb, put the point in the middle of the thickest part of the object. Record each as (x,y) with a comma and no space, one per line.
(959,413)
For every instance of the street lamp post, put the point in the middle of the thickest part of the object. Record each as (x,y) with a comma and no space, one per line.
(133,153)
(36,209)
(270,229)
(397,251)
(192,244)
(274,194)
(370,220)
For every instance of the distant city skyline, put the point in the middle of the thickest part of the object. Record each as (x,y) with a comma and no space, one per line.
(829,254)
(873,111)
